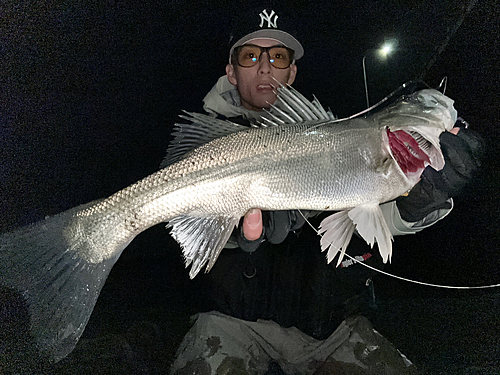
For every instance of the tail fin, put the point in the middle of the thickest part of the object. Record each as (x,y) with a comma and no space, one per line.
(60,287)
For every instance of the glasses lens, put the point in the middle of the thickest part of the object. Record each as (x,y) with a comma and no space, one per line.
(248,56)
(279,57)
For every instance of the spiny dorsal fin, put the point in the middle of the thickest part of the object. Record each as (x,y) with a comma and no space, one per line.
(201,129)
(292,107)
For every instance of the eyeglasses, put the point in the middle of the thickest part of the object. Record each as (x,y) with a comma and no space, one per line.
(249,55)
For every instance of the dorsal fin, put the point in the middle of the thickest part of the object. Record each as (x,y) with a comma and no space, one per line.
(201,129)
(292,107)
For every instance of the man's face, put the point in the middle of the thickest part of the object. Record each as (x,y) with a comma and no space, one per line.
(256,84)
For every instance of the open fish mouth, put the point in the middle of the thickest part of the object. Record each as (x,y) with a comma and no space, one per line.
(410,149)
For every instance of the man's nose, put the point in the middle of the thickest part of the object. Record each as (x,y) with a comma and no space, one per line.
(264,64)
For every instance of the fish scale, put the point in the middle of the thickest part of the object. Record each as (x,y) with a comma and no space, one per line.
(261,165)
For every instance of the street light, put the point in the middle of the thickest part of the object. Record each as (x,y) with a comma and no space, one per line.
(386,49)
(383,51)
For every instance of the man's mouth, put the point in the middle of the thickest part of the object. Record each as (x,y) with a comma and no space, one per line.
(265,86)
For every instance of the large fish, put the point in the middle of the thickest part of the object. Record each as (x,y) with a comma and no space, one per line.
(216,171)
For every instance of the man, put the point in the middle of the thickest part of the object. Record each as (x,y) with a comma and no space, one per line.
(268,273)
(254,86)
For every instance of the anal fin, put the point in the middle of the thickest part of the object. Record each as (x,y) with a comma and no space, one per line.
(201,238)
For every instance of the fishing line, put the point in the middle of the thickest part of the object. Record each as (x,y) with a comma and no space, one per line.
(404,278)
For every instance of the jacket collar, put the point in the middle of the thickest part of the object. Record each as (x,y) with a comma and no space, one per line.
(224,99)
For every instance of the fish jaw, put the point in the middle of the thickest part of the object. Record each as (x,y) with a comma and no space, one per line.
(414,142)
(407,153)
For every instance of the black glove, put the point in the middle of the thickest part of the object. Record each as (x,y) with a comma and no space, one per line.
(462,154)
(276,226)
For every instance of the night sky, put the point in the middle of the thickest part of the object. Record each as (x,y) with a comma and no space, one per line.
(90,91)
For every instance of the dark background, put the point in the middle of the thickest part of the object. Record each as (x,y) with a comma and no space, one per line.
(89,91)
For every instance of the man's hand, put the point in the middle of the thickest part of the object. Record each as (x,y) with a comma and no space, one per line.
(252,224)
(462,150)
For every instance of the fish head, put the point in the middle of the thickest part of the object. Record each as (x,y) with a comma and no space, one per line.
(413,126)
(437,105)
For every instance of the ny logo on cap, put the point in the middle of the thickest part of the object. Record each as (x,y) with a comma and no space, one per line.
(271,19)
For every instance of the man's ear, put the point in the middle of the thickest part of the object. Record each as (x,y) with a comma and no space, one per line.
(293,74)
(231,76)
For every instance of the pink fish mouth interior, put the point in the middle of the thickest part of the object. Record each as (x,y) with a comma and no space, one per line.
(407,152)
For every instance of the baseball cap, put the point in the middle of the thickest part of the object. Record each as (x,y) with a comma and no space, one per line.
(267,25)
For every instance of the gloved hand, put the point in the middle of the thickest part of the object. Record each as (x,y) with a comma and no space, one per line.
(276,226)
(462,154)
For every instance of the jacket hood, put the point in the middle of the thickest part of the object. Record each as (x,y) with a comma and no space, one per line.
(224,99)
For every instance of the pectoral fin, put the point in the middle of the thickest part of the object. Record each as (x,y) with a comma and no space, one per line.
(338,229)
(367,219)
(201,238)
(371,225)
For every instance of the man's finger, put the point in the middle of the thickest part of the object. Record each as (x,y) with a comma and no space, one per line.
(252,224)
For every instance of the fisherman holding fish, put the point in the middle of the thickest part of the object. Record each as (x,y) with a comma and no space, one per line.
(277,305)
(272,268)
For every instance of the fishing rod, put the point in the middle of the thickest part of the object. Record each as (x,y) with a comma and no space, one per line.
(442,47)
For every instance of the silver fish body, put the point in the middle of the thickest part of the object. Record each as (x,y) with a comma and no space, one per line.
(290,167)
(315,164)
(330,165)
